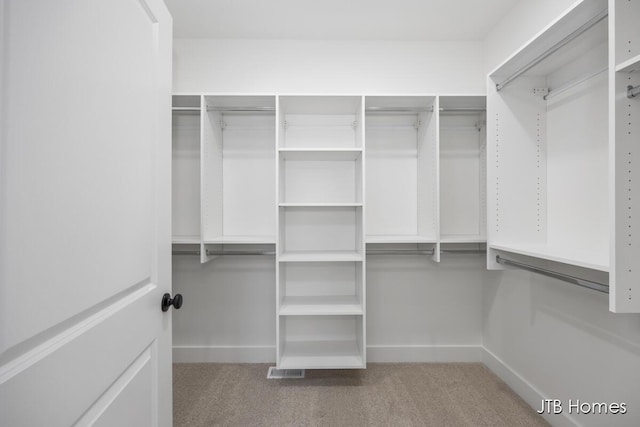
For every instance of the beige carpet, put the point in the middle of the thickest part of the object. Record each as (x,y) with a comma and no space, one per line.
(435,394)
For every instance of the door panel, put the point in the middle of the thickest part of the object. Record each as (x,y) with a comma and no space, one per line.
(85,212)
(78,180)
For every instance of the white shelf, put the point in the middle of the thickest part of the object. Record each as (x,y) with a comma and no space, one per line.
(185,240)
(249,240)
(591,260)
(321,306)
(400,239)
(630,65)
(332,154)
(321,355)
(324,256)
(463,239)
(320,205)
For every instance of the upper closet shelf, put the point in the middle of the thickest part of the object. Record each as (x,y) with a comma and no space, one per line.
(566,41)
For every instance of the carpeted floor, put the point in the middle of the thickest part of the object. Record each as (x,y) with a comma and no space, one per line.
(407,394)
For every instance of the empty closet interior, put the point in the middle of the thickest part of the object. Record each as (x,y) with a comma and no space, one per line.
(320,183)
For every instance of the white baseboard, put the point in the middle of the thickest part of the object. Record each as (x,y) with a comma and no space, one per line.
(224,354)
(423,353)
(524,389)
(375,354)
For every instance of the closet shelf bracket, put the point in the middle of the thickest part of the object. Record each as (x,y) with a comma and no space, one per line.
(633,91)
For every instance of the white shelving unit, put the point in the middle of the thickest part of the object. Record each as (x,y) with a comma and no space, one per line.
(185,186)
(238,151)
(624,122)
(402,170)
(547,169)
(320,271)
(463,158)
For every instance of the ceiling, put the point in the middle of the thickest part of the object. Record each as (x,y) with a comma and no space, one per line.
(437,20)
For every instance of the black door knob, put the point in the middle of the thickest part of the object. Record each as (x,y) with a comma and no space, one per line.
(167,302)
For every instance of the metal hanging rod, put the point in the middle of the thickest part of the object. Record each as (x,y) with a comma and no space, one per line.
(574,83)
(462,109)
(241,109)
(422,109)
(633,91)
(600,287)
(221,253)
(553,49)
(177,109)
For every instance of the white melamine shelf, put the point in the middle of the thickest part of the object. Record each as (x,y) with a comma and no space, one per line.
(185,240)
(333,154)
(322,256)
(321,306)
(249,240)
(463,239)
(320,205)
(629,65)
(591,260)
(400,239)
(321,355)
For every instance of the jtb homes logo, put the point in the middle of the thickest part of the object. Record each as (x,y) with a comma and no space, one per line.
(556,406)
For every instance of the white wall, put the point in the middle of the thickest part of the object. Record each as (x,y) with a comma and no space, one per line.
(291,66)
(416,310)
(546,338)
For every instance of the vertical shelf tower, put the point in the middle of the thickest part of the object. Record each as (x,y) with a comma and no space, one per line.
(624,154)
(320,253)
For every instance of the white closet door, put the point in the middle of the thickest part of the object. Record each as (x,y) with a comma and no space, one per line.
(85,213)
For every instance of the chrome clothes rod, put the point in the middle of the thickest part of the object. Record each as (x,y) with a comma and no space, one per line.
(633,91)
(462,109)
(574,83)
(221,253)
(185,109)
(422,109)
(600,287)
(553,49)
(241,109)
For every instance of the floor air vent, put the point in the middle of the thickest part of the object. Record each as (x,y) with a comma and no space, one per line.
(285,374)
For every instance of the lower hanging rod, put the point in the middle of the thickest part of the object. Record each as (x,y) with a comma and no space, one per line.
(633,91)
(600,287)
